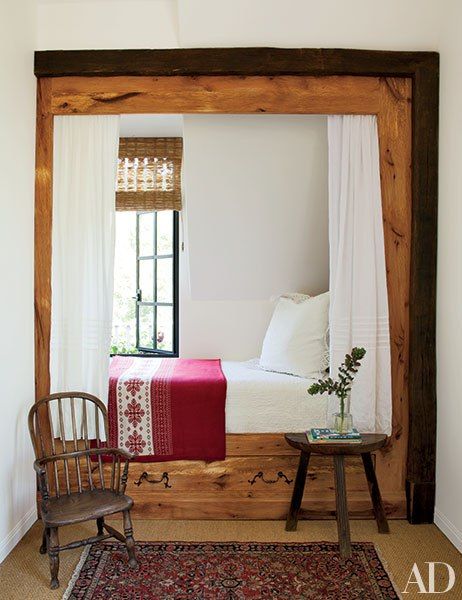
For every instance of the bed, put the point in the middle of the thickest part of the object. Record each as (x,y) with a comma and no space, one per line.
(259,401)
(254,480)
(169,409)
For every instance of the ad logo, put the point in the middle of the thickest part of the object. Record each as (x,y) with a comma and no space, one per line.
(429,586)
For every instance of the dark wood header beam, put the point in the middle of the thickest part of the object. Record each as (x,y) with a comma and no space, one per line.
(231,61)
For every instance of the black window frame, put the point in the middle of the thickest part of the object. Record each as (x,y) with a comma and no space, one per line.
(143,351)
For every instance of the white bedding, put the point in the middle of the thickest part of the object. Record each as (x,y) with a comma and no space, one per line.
(259,401)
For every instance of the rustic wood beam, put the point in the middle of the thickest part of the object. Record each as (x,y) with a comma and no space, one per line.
(230,61)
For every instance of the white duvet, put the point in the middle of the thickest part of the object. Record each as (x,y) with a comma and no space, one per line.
(259,401)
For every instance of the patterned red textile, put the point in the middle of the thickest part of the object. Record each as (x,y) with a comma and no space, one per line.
(231,571)
(164,409)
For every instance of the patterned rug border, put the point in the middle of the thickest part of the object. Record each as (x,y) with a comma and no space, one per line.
(78,568)
(387,570)
(354,545)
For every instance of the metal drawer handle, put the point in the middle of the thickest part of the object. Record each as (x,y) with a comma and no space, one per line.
(145,477)
(261,476)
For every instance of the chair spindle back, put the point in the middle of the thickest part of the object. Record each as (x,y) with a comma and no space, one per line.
(67,430)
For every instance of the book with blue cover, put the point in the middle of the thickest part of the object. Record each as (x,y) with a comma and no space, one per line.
(324,435)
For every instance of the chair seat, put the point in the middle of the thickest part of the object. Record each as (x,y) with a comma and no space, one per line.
(75,508)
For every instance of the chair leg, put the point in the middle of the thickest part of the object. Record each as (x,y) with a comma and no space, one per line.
(53,554)
(43,547)
(100,525)
(129,540)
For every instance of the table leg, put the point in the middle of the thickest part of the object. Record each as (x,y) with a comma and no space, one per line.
(343,525)
(374,490)
(297,494)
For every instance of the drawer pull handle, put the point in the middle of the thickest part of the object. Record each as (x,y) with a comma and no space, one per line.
(145,477)
(261,476)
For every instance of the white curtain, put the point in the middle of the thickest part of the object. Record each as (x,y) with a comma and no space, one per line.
(84,178)
(359,302)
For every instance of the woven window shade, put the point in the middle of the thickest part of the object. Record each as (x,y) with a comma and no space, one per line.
(149,174)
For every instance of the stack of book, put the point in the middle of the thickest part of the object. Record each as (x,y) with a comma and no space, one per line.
(325,436)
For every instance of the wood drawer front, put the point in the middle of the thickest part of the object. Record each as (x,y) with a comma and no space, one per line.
(258,444)
(238,476)
(222,490)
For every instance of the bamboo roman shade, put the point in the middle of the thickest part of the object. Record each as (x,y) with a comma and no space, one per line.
(149,174)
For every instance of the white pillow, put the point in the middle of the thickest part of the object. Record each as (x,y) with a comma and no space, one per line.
(295,339)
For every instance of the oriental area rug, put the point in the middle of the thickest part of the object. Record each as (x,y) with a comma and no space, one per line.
(230,571)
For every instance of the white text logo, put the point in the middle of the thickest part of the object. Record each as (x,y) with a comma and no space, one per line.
(416,579)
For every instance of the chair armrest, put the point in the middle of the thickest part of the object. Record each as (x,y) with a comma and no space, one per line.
(120,479)
(123,453)
(39,468)
(88,452)
(42,478)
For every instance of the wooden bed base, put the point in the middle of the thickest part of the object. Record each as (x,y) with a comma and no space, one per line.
(254,482)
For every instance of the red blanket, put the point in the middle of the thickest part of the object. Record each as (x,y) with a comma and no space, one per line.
(167,409)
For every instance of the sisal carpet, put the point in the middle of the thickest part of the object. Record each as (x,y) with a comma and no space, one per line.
(231,571)
(24,573)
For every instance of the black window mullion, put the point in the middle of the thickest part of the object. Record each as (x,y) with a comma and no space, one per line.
(175,283)
(155,304)
(154,294)
(137,296)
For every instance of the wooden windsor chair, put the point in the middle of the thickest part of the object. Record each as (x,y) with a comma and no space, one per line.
(70,468)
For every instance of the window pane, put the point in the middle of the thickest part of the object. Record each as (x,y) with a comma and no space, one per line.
(165,280)
(147,280)
(165,232)
(165,328)
(146,326)
(146,239)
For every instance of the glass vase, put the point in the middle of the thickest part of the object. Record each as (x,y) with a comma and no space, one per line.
(343,423)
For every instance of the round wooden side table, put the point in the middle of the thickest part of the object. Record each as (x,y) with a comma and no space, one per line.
(370,442)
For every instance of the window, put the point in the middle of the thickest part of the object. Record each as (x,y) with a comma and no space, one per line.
(148,198)
(157,281)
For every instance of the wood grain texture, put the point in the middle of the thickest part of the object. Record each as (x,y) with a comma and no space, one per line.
(220,490)
(223,489)
(317,507)
(66,499)
(415,346)
(341,504)
(298,491)
(42,252)
(229,61)
(395,146)
(339,453)
(216,94)
(43,224)
(374,490)
(422,381)
(370,442)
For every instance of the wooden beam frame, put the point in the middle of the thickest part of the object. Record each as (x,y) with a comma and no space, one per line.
(288,80)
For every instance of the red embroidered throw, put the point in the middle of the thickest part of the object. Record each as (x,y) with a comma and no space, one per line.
(167,408)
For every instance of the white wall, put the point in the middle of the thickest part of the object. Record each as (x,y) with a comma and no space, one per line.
(151,125)
(257,225)
(396,24)
(17,127)
(449,316)
(100,24)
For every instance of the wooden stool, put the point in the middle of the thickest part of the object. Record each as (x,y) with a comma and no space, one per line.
(370,442)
